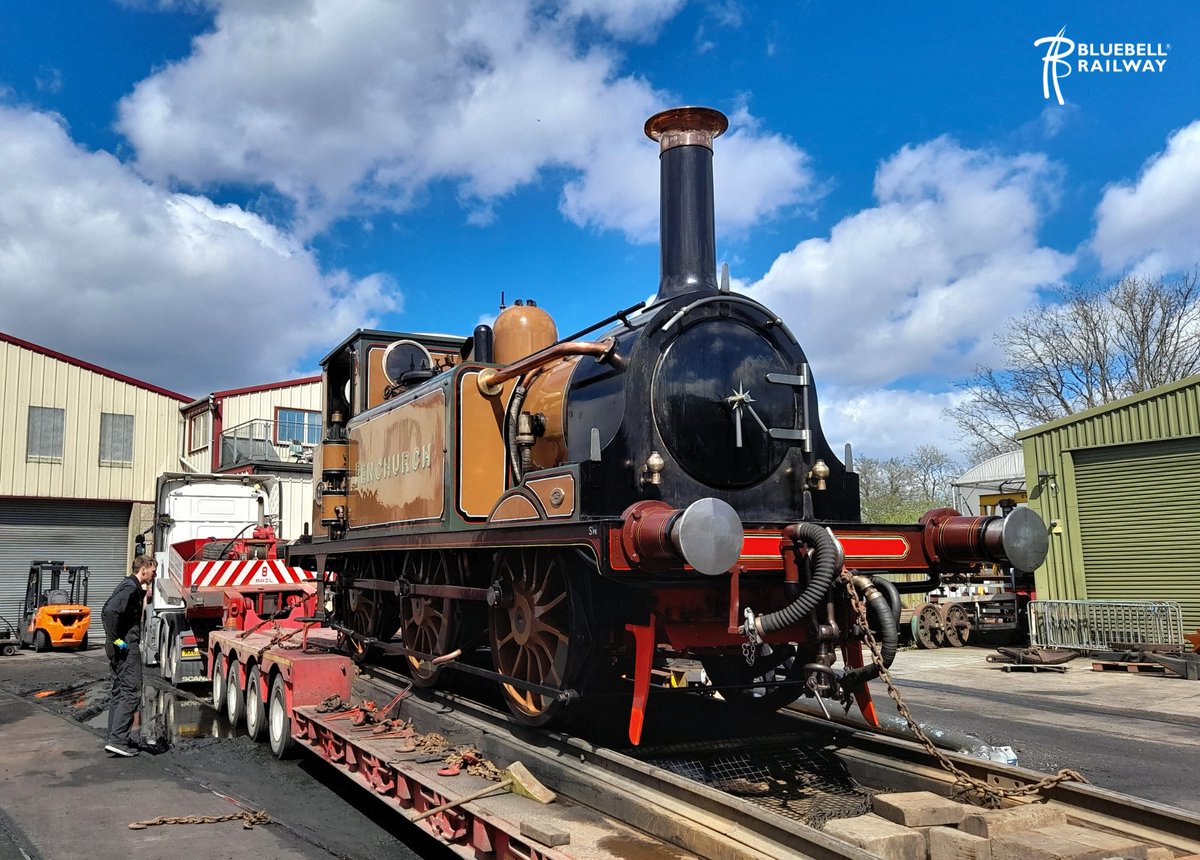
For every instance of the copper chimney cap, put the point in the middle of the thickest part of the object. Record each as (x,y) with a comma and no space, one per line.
(686,126)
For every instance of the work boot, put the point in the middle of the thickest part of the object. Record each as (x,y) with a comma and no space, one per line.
(121,749)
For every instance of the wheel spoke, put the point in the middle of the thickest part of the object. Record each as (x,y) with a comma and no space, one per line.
(539,611)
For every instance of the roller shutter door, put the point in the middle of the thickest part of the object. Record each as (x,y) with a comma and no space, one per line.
(1139,523)
(95,535)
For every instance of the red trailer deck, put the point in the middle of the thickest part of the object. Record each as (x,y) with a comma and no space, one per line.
(303,695)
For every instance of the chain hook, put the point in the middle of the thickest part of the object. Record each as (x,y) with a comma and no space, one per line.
(753,643)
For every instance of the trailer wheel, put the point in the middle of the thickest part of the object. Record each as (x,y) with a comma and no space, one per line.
(218,684)
(279,723)
(235,699)
(41,641)
(9,650)
(256,720)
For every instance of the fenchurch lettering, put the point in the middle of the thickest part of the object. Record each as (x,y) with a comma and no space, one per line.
(396,464)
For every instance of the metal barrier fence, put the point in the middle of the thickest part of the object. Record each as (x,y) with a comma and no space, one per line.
(1094,625)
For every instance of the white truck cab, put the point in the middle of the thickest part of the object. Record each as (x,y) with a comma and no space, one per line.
(197,517)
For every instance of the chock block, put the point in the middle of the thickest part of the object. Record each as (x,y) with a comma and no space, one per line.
(989,823)
(918,808)
(1114,844)
(884,838)
(1035,845)
(543,833)
(946,843)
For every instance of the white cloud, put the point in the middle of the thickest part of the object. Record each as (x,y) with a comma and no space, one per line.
(168,288)
(1152,226)
(755,176)
(919,284)
(628,19)
(884,422)
(360,106)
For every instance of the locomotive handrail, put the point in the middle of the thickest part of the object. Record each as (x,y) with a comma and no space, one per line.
(775,320)
(491,379)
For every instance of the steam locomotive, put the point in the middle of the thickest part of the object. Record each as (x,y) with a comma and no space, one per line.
(585,509)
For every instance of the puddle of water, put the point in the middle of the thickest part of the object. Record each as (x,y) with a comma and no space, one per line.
(170,717)
(166,717)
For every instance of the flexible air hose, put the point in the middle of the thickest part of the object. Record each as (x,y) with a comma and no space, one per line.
(826,551)
(884,622)
(893,594)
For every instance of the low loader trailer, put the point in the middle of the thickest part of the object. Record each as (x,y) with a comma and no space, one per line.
(790,786)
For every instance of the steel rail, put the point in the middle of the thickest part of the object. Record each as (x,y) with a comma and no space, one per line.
(704,820)
(613,782)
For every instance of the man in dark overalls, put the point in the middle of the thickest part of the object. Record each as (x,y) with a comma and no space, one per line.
(122,616)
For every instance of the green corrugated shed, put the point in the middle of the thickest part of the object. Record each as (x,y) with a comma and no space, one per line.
(1119,487)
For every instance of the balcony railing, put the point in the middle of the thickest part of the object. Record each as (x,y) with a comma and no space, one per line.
(254,442)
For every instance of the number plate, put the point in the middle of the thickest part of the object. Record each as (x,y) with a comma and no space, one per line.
(189,653)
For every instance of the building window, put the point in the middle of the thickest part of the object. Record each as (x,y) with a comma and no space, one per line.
(45,440)
(116,439)
(297,425)
(198,432)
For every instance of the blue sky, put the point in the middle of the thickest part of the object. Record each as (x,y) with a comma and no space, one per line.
(212,193)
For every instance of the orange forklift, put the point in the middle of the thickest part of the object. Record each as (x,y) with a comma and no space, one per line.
(55,612)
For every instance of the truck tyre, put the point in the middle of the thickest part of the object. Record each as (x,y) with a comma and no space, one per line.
(41,641)
(256,710)
(164,645)
(218,684)
(279,722)
(9,650)
(83,643)
(235,699)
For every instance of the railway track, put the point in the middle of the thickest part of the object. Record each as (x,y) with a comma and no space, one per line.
(759,789)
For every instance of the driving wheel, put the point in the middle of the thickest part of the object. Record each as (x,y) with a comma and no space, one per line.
(369,613)
(429,624)
(538,630)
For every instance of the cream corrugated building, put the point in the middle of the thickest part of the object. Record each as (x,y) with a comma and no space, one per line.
(265,429)
(81,449)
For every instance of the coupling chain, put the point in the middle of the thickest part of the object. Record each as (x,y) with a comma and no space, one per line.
(432,743)
(476,764)
(248,819)
(967,787)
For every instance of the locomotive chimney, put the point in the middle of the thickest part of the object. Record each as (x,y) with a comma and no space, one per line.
(686,228)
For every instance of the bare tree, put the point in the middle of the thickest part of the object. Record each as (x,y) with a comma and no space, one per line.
(1088,348)
(900,489)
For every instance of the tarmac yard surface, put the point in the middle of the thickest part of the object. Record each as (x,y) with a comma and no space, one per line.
(1135,733)
(61,796)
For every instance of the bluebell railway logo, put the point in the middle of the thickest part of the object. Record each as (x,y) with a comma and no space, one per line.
(1096,57)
